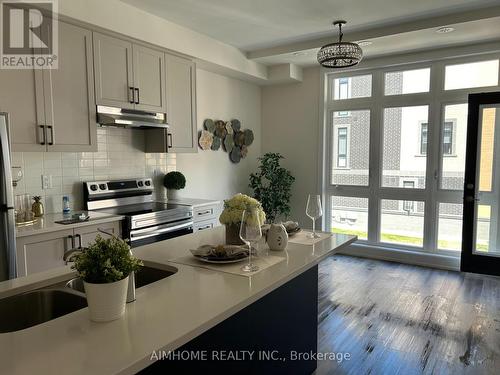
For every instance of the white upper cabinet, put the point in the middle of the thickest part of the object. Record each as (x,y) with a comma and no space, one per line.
(128,75)
(181,108)
(149,79)
(113,71)
(54,109)
(69,93)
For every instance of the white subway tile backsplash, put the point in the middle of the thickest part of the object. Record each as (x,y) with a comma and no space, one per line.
(120,154)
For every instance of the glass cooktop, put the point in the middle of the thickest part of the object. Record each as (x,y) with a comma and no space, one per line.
(142,208)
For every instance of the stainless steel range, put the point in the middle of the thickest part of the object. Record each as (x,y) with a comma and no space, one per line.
(146,221)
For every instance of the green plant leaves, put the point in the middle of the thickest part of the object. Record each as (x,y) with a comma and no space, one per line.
(272,186)
(106,261)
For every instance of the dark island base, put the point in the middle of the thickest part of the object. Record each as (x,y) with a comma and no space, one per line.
(280,330)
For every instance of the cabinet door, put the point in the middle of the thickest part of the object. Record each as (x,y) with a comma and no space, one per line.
(149,82)
(21,95)
(42,252)
(113,71)
(69,93)
(85,235)
(181,104)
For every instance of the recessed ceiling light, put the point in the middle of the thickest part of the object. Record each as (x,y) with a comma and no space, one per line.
(445,30)
(364,43)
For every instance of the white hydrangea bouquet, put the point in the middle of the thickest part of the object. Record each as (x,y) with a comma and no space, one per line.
(231,215)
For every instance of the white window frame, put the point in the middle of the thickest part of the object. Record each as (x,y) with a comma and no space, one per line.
(435,99)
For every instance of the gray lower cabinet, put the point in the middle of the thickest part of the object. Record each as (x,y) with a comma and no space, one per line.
(42,252)
(128,75)
(181,104)
(54,109)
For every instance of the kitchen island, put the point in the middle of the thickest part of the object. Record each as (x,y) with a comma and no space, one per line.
(167,315)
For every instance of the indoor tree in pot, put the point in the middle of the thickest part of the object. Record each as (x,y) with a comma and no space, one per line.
(232,213)
(272,186)
(105,266)
(174,181)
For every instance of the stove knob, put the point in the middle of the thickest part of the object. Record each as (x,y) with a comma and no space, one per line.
(102,186)
(93,187)
(148,183)
(140,183)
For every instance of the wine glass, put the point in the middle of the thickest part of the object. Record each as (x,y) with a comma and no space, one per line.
(250,232)
(314,211)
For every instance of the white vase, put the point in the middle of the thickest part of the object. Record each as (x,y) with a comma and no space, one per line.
(277,237)
(106,301)
(172,194)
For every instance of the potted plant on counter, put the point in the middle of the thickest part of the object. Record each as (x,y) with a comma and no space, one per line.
(105,267)
(174,181)
(231,216)
(272,186)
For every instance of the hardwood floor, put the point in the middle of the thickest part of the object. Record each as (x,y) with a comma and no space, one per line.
(400,319)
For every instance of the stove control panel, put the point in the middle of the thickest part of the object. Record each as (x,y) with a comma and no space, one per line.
(110,187)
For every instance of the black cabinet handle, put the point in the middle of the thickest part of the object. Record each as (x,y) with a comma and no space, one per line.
(169,140)
(72,242)
(137,91)
(51,142)
(131,95)
(79,241)
(42,142)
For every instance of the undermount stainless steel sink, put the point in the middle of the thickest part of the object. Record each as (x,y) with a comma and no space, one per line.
(39,306)
(145,276)
(31,308)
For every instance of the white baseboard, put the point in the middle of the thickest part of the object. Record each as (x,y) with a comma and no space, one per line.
(403,256)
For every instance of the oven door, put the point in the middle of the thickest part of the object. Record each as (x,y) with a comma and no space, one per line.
(144,236)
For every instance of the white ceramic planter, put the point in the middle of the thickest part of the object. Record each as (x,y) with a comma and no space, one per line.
(172,194)
(106,301)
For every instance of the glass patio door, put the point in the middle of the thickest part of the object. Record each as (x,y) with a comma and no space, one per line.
(481,224)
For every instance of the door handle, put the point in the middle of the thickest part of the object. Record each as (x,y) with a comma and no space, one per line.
(79,241)
(131,96)
(470,198)
(169,140)
(42,137)
(137,91)
(51,128)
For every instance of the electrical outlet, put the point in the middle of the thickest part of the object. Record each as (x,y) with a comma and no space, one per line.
(46,182)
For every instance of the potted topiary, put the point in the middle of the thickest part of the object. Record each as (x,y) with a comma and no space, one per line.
(105,267)
(174,181)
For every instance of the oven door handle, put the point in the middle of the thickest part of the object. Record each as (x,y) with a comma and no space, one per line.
(148,232)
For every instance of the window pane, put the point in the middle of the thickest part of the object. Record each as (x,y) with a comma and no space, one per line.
(350,216)
(401,225)
(404,146)
(488,120)
(352,87)
(450,226)
(407,81)
(483,220)
(454,137)
(477,74)
(351,147)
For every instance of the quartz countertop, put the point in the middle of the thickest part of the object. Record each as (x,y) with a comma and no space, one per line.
(166,314)
(47,223)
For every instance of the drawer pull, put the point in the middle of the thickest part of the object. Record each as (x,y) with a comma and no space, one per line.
(205,227)
(207,212)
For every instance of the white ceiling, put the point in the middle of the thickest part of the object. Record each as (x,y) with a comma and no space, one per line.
(256,24)
(483,31)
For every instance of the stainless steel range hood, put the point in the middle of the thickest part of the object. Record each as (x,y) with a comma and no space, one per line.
(130,118)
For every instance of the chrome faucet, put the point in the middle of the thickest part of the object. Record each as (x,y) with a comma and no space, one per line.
(70,254)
